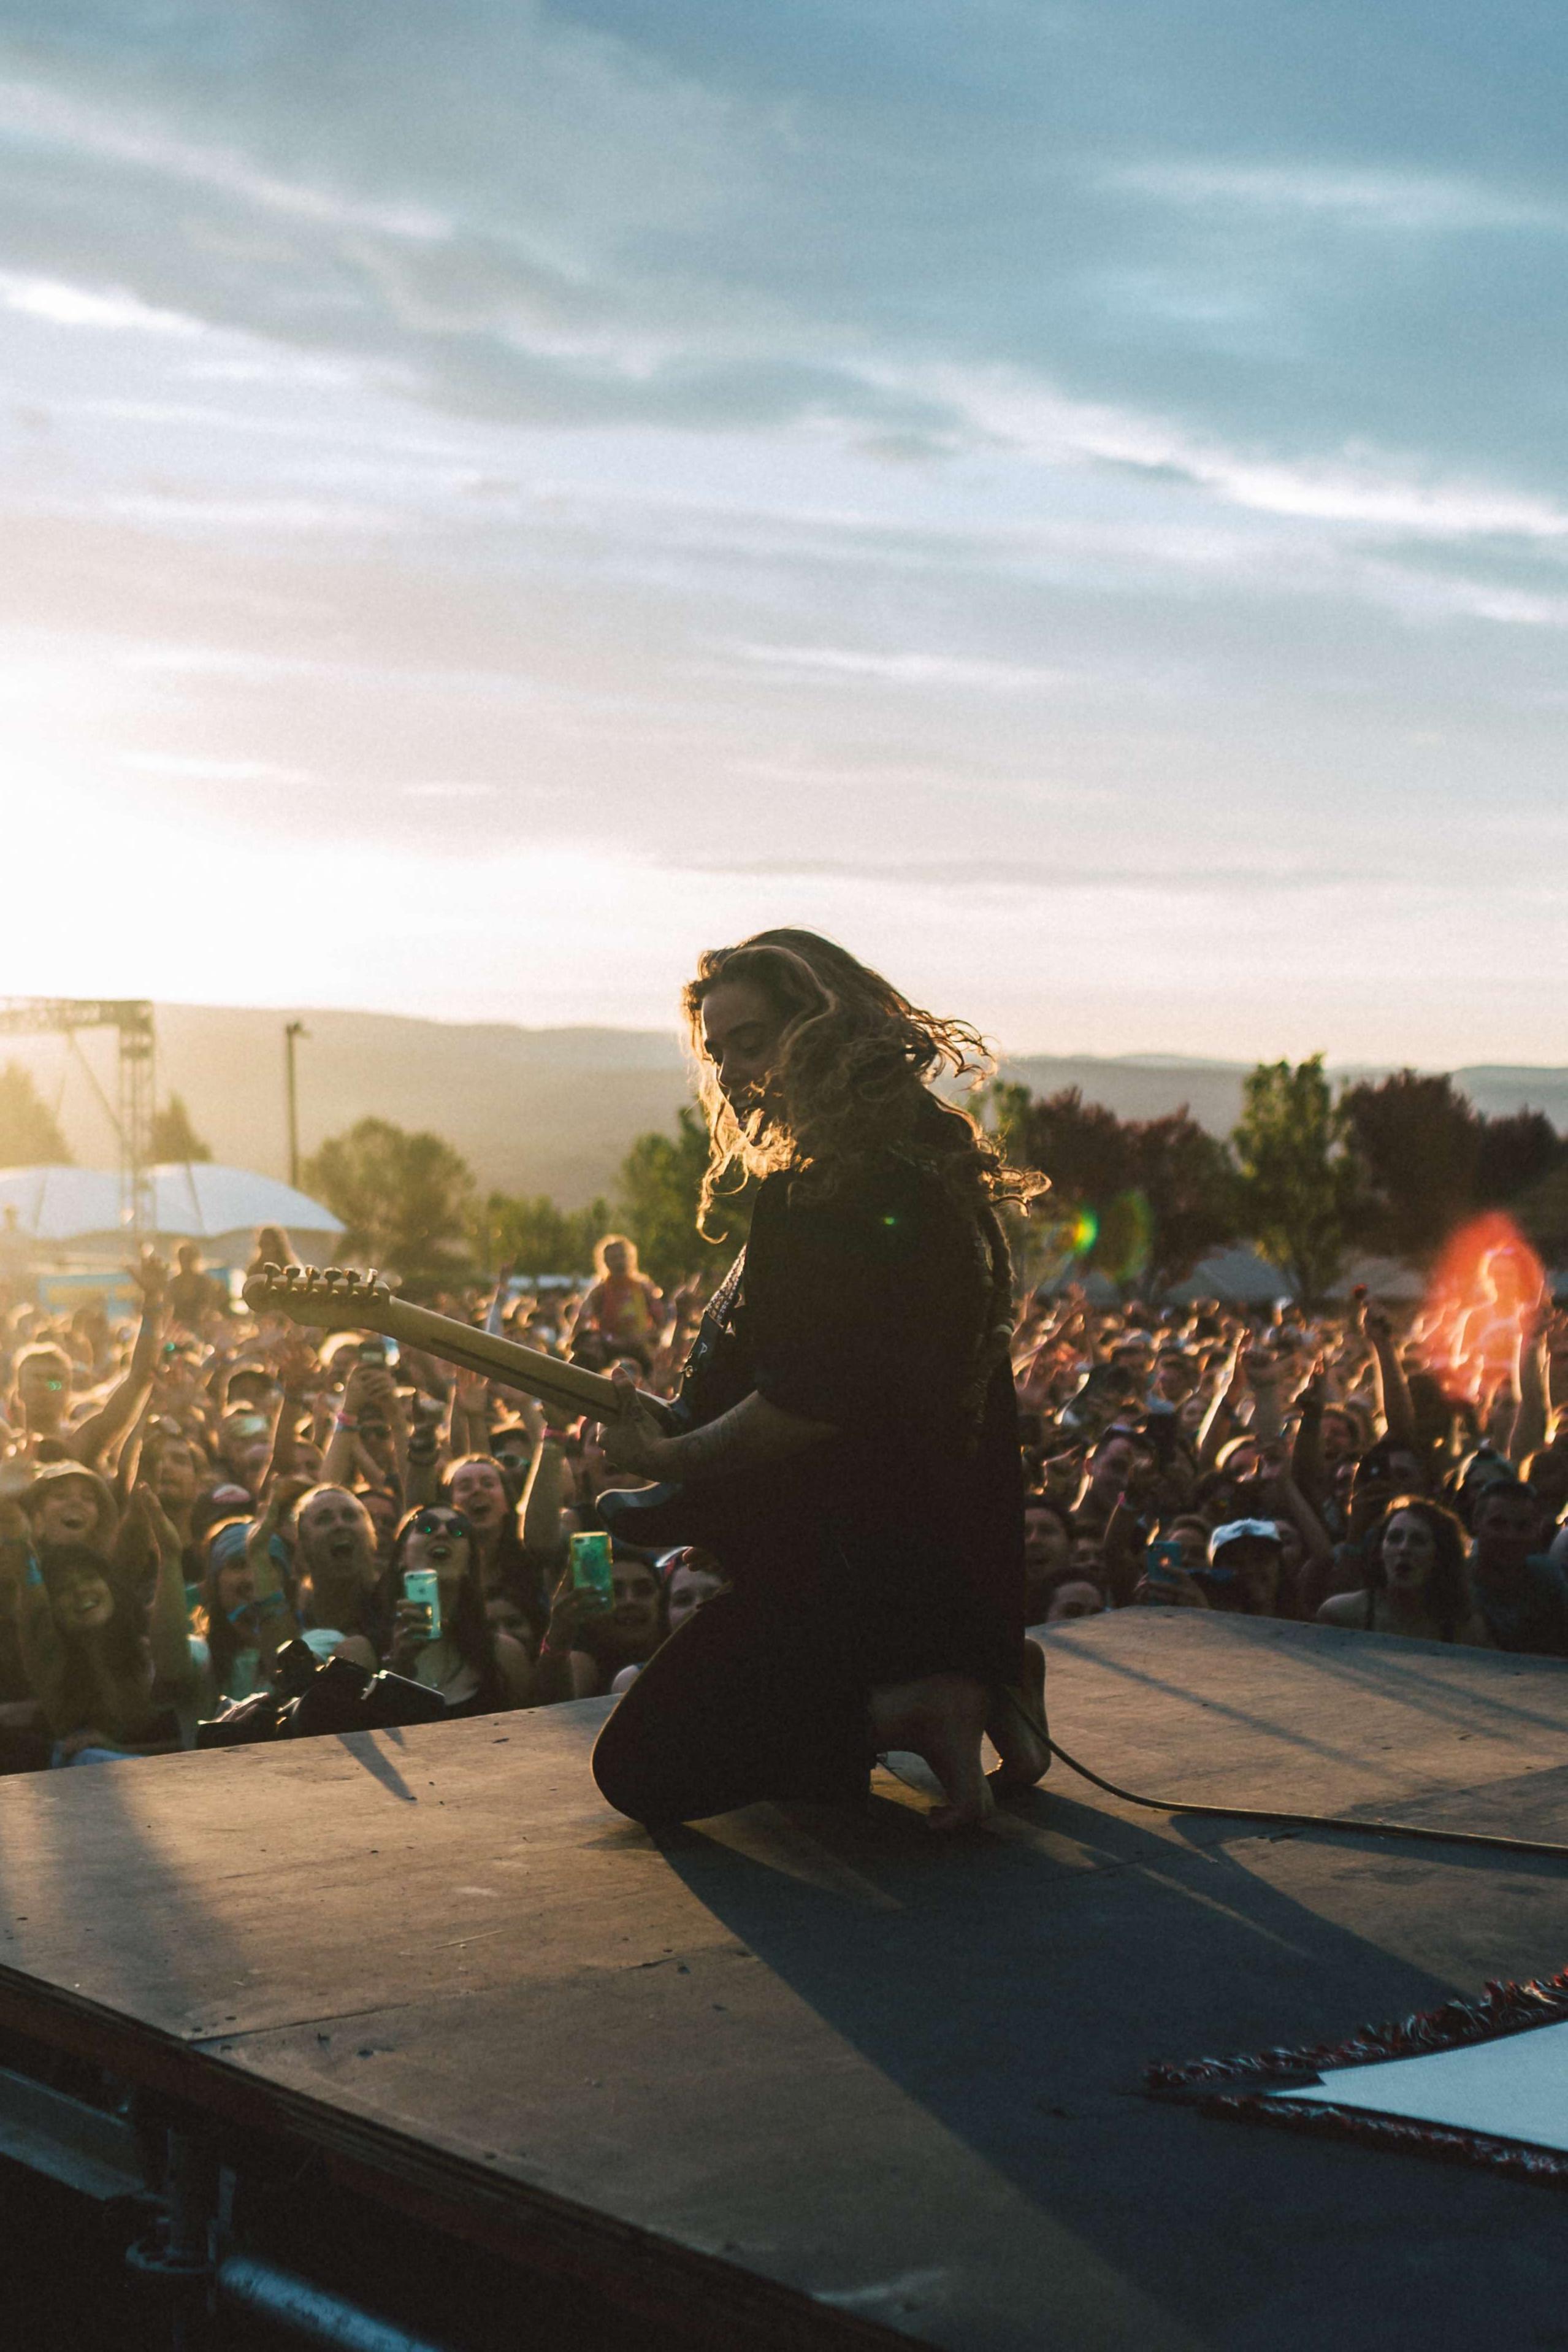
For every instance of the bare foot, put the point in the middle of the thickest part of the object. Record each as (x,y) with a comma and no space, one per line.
(1015,1725)
(943,1720)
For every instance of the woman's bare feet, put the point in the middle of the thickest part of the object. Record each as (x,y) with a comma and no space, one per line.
(1015,1725)
(943,1720)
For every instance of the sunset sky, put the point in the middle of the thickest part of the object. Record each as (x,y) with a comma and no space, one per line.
(1071,499)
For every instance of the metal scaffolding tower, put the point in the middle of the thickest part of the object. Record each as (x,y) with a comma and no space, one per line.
(132,1016)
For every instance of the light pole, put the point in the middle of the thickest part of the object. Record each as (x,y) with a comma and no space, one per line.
(292,1032)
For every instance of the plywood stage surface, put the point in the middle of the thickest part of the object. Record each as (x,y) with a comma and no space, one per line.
(813,2075)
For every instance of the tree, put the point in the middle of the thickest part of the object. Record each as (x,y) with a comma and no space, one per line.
(660,1177)
(1085,1150)
(536,1236)
(1188,1180)
(29,1137)
(1418,1144)
(173,1137)
(1299,1182)
(1520,1151)
(1138,1200)
(403,1198)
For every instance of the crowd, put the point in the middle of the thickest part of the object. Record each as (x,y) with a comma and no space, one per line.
(197,1514)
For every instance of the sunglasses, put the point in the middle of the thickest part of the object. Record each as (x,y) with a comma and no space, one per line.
(436,1523)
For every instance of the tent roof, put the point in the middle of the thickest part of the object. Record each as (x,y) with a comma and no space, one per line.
(195,1200)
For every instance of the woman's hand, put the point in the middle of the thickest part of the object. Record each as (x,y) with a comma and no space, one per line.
(574,1612)
(635,1440)
(411,1633)
(1174,1590)
(149,1514)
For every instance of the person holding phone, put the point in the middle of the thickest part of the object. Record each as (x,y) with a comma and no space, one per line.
(448,1641)
(847,1420)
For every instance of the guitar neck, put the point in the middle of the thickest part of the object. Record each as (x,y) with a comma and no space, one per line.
(529,1368)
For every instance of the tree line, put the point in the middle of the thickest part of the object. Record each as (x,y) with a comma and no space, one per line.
(1390,1166)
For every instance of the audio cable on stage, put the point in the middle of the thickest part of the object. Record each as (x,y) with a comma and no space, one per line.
(1488,1839)
(1497,1844)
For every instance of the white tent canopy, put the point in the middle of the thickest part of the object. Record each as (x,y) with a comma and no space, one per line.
(79,1209)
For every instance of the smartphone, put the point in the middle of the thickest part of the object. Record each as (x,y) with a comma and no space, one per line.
(1162,1564)
(590,1566)
(422,1586)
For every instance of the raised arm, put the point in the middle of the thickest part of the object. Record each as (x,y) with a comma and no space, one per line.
(92,1440)
(1220,1420)
(15,1557)
(544,1499)
(1529,1429)
(275,1620)
(1390,1387)
(168,1629)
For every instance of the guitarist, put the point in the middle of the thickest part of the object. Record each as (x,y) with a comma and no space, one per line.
(847,1434)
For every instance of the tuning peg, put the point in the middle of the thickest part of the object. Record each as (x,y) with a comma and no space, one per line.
(333,1278)
(374,1287)
(351,1283)
(270,1272)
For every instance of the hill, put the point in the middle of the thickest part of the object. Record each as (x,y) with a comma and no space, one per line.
(548,1110)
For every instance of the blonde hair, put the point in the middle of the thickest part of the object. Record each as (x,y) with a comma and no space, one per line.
(610,1241)
(852,1078)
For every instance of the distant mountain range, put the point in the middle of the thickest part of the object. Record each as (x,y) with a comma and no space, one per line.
(550,1110)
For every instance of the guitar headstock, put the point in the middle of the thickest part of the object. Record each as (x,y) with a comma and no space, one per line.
(331,1298)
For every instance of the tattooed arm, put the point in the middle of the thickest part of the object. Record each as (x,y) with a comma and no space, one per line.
(751,1435)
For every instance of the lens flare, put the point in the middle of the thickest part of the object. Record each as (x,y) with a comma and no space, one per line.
(1487,1281)
(1126,1238)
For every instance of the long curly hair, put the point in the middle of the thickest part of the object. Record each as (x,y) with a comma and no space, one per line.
(851,1079)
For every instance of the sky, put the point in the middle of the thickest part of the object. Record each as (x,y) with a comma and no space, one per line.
(1069,499)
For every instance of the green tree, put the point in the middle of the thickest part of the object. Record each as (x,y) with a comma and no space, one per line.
(1417,1140)
(1188,1179)
(403,1198)
(1298,1183)
(656,1200)
(173,1137)
(29,1137)
(1520,1151)
(536,1236)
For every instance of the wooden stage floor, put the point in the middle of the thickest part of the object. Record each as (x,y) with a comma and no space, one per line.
(809,2076)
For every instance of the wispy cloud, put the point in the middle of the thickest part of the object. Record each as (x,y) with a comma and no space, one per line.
(38,114)
(918,669)
(197,770)
(113,311)
(1370,198)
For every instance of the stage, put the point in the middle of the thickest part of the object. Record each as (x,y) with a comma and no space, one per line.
(809,2077)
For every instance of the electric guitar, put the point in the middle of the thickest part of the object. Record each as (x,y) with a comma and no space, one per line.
(655,1517)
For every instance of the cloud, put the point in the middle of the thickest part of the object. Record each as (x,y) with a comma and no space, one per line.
(1381,200)
(829,436)
(919,669)
(80,306)
(214,772)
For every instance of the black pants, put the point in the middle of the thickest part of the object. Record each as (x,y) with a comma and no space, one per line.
(753,1698)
